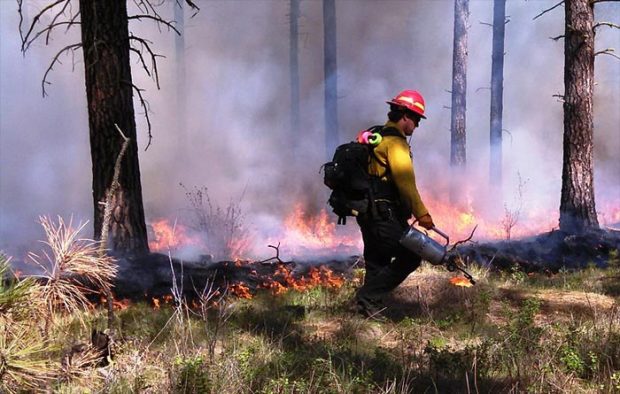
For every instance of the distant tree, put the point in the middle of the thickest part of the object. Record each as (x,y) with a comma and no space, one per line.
(106,45)
(458,156)
(181,94)
(331,81)
(497,91)
(577,201)
(577,205)
(294,70)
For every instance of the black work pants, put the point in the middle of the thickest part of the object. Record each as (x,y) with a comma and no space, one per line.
(388,263)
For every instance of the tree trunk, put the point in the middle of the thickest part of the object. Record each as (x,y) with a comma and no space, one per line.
(497,91)
(459,83)
(109,93)
(179,49)
(577,208)
(331,86)
(294,72)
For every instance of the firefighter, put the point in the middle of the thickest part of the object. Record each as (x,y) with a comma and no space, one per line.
(396,200)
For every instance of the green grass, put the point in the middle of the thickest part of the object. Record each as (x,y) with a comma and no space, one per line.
(498,336)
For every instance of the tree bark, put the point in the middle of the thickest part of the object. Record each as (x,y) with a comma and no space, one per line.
(458,156)
(497,92)
(577,206)
(294,72)
(331,82)
(109,94)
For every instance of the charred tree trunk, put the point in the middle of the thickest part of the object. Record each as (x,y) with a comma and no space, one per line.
(109,93)
(497,91)
(179,48)
(331,85)
(577,208)
(294,71)
(458,156)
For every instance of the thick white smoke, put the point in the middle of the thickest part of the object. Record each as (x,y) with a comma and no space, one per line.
(237,141)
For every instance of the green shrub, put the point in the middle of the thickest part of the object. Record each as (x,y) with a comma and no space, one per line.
(190,375)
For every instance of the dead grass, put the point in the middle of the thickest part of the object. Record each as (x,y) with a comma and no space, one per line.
(72,268)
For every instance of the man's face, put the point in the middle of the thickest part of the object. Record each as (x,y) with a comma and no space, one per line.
(411,122)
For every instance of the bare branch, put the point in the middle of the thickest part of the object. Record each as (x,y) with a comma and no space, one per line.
(193,6)
(36,18)
(485,23)
(144,105)
(483,88)
(156,19)
(276,258)
(608,24)
(154,56)
(71,47)
(464,240)
(608,51)
(557,38)
(48,30)
(146,69)
(53,22)
(548,9)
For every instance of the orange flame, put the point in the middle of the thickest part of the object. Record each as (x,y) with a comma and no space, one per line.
(459,222)
(460,281)
(317,234)
(117,305)
(321,276)
(168,237)
(166,300)
(240,290)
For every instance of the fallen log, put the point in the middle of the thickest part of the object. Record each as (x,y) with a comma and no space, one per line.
(154,275)
(549,251)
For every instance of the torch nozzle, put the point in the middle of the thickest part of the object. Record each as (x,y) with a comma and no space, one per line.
(454,265)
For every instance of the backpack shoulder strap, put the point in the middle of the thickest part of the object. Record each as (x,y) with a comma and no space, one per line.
(392,132)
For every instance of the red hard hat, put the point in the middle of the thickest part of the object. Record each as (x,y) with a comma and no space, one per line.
(411,100)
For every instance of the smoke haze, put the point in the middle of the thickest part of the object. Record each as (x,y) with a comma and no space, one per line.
(237,142)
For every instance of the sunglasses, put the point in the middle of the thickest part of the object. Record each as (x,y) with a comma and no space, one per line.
(414,117)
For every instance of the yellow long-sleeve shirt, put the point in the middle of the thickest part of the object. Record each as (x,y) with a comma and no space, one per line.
(392,163)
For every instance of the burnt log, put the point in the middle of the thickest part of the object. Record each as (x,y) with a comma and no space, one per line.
(547,252)
(155,275)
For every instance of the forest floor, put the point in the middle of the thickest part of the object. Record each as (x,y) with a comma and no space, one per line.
(511,332)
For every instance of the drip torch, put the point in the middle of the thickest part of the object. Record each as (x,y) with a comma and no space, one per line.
(432,251)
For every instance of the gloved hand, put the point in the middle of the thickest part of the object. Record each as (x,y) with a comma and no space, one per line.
(426,221)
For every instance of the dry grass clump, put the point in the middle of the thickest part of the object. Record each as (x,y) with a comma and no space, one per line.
(24,361)
(73,268)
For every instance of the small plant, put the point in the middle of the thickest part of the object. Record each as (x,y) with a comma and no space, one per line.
(24,362)
(516,274)
(72,268)
(572,360)
(512,215)
(15,295)
(225,235)
(191,375)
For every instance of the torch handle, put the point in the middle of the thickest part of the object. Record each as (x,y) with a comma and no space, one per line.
(441,233)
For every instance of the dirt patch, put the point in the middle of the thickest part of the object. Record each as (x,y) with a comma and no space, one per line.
(322,329)
(564,301)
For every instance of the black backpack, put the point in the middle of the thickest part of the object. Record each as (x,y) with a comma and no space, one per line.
(347,176)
